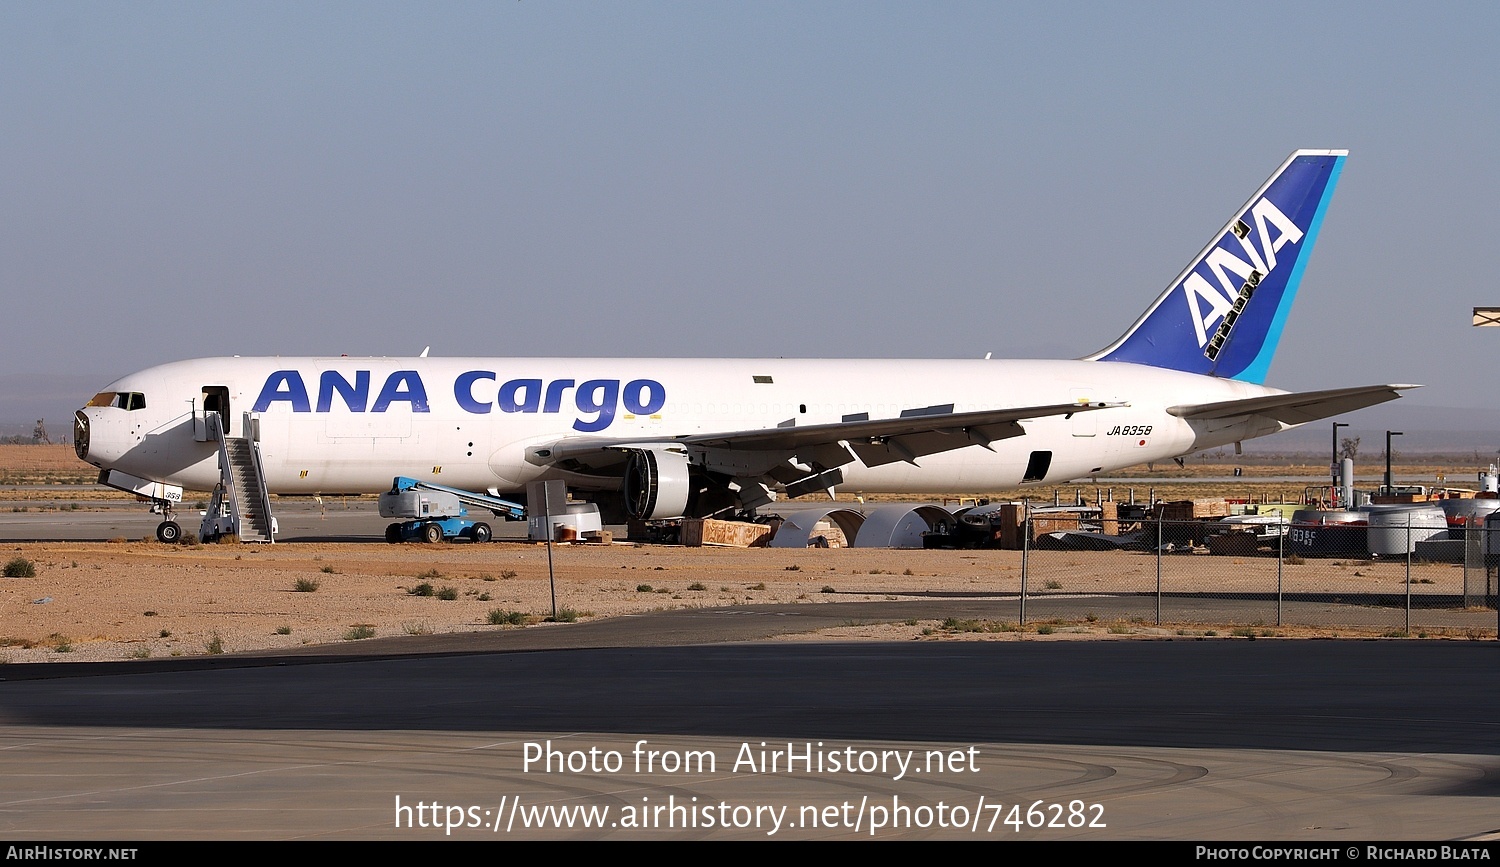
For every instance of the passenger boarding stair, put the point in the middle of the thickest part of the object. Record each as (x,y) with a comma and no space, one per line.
(241,504)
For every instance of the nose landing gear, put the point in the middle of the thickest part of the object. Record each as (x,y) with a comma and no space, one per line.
(162,496)
(168,531)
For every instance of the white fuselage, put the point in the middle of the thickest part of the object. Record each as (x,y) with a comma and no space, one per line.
(352,424)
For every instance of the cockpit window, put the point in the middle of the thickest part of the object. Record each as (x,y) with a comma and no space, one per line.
(126,400)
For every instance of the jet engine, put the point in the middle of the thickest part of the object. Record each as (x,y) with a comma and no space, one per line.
(656,484)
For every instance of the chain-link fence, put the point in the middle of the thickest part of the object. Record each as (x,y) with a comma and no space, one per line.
(1391,578)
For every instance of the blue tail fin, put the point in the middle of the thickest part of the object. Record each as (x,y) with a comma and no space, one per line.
(1224,313)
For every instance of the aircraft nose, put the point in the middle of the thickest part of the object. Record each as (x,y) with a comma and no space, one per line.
(81,435)
(97,438)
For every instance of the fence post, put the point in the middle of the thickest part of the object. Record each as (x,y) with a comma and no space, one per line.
(1280,559)
(1161,519)
(1407,627)
(1470,538)
(1483,532)
(1025,559)
(1492,597)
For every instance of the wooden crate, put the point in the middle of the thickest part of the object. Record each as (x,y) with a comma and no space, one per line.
(1234,542)
(698,532)
(1011,517)
(831,534)
(1109,517)
(1191,510)
(1053,523)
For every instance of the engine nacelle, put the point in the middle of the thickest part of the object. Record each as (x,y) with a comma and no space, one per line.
(656,484)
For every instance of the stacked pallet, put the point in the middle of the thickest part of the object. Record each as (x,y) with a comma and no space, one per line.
(1185,522)
(1193,510)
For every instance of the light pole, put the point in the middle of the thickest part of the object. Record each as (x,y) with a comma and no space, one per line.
(1333,465)
(1489,317)
(1388,435)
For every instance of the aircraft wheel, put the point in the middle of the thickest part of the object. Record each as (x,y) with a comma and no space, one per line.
(481,532)
(169,532)
(432,533)
(393,533)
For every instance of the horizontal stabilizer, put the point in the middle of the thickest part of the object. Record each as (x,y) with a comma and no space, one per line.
(1294,409)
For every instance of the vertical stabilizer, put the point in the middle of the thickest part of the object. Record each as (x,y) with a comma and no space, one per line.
(1224,313)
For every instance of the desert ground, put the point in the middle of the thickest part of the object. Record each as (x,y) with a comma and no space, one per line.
(132,599)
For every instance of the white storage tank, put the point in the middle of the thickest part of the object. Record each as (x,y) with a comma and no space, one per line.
(1396,529)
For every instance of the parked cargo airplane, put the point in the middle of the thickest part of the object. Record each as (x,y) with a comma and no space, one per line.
(695,437)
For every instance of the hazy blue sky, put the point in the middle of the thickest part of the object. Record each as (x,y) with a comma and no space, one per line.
(798,179)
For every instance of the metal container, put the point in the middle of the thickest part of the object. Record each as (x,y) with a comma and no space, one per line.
(1264,526)
(1490,545)
(419,504)
(1394,530)
(1466,513)
(579,518)
(1318,533)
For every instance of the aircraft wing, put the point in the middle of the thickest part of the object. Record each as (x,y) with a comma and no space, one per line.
(916,432)
(1293,409)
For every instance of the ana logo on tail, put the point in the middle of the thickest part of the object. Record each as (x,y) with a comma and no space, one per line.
(1224,314)
(1228,304)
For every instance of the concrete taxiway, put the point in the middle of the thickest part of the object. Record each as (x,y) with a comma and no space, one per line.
(300,519)
(1307,740)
